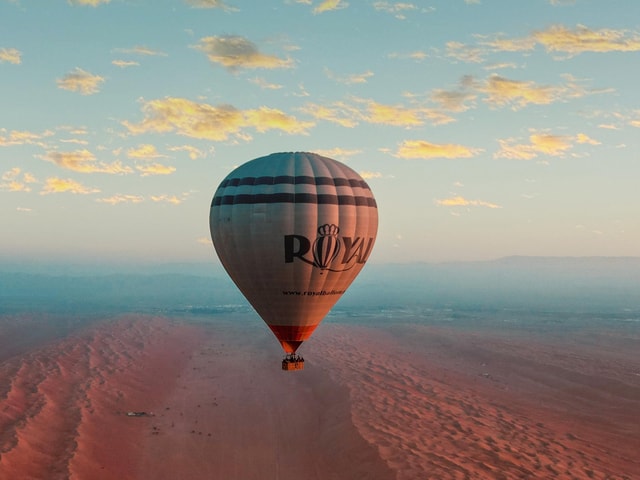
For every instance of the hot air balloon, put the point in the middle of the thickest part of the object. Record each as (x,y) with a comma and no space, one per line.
(293,230)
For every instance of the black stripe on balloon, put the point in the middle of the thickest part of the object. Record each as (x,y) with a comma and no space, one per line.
(248,199)
(291,180)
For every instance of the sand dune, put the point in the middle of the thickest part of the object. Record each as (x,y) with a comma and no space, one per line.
(445,404)
(62,408)
(406,401)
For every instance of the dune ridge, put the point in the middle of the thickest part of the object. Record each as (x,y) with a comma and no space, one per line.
(454,405)
(62,414)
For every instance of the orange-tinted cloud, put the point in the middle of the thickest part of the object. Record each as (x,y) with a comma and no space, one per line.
(397,9)
(559,38)
(427,150)
(15,181)
(61,185)
(501,91)
(193,152)
(22,137)
(459,201)
(329,5)
(210,4)
(173,199)
(141,50)
(80,81)
(338,112)
(541,144)
(155,169)
(124,63)
(262,83)
(120,198)
(85,162)
(90,3)
(10,55)
(367,175)
(218,123)
(235,52)
(144,152)
(351,79)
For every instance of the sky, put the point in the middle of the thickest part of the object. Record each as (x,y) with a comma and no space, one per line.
(485,128)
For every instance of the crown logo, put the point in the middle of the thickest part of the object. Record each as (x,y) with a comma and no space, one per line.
(328,230)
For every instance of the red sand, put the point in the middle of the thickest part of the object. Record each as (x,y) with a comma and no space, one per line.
(404,402)
(444,404)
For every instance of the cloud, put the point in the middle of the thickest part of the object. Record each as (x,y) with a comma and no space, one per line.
(264,118)
(417,55)
(337,112)
(173,199)
(540,144)
(339,153)
(234,53)
(22,137)
(465,53)
(456,100)
(124,63)
(367,175)
(61,185)
(459,201)
(352,79)
(400,115)
(85,162)
(90,3)
(193,152)
(262,83)
(210,4)
(81,81)
(329,5)
(119,198)
(10,55)
(559,38)
(144,152)
(584,138)
(155,169)
(426,150)
(141,50)
(366,110)
(15,181)
(218,123)
(397,9)
(502,91)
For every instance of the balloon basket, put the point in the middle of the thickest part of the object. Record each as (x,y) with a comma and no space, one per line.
(293,362)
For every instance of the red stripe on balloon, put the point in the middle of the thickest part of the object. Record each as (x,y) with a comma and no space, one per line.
(292,336)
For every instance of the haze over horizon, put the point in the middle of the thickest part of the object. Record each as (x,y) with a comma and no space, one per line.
(485,129)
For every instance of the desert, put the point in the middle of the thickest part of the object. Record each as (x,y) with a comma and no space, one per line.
(401,396)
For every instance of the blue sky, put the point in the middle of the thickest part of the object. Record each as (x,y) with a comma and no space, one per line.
(484,128)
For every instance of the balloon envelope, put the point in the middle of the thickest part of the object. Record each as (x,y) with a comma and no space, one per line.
(293,230)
